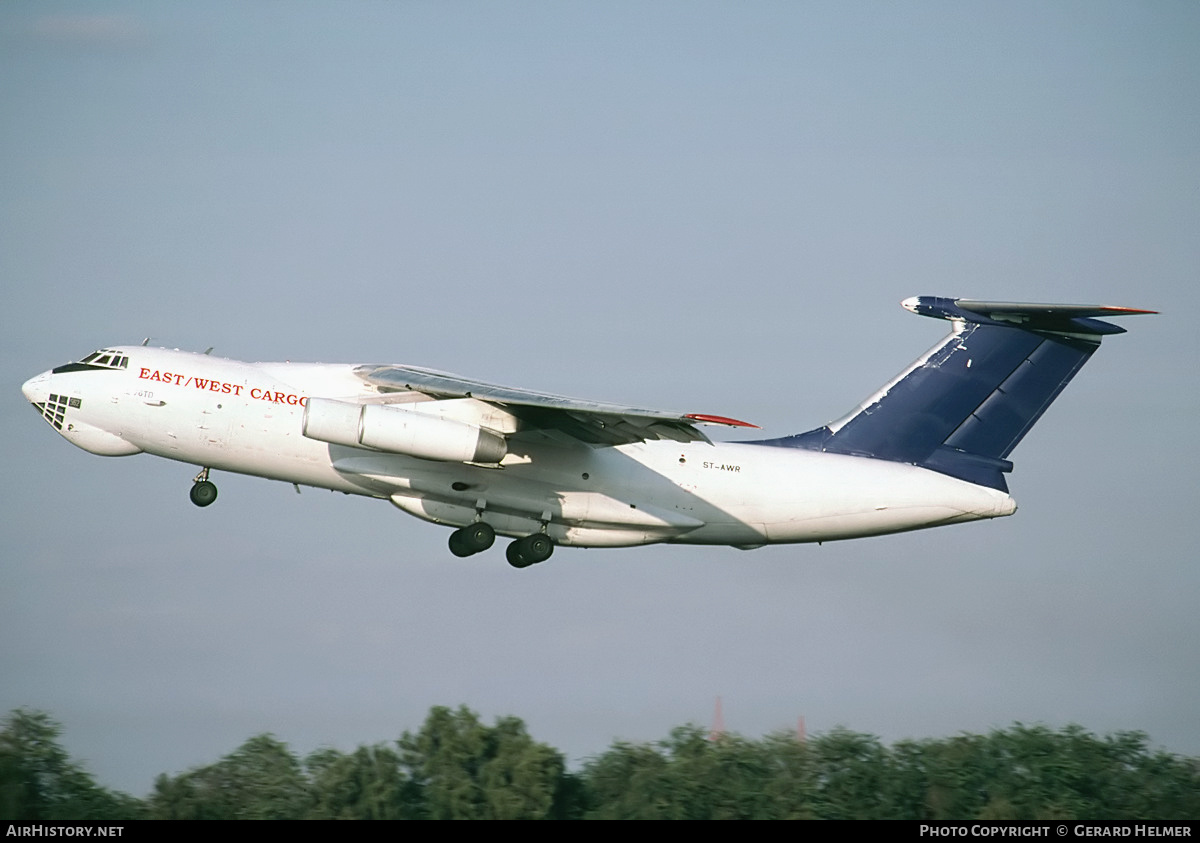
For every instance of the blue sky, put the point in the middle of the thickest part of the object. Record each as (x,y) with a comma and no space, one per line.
(709,207)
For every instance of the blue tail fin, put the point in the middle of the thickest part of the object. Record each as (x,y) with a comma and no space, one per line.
(962,407)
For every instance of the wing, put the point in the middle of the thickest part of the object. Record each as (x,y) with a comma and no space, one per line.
(594,422)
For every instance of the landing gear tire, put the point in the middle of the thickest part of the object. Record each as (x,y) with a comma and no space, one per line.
(529,551)
(513,554)
(478,536)
(457,547)
(472,539)
(203,492)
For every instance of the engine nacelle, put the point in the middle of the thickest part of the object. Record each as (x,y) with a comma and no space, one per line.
(399,430)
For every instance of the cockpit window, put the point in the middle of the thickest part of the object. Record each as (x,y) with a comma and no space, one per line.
(105,358)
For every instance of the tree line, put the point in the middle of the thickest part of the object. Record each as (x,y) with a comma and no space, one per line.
(458,767)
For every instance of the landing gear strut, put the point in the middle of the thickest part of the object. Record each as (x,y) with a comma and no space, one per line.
(472,539)
(529,551)
(203,491)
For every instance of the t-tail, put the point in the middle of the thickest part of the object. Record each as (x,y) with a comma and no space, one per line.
(961,408)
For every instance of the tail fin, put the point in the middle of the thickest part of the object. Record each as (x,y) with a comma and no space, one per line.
(962,407)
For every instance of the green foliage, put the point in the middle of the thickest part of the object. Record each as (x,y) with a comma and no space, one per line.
(38,781)
(1020,773)
(457,767)
(260,780)
(1033,772)
(689,776)
(625,783)
(851,771)
(466,770)
(367,784)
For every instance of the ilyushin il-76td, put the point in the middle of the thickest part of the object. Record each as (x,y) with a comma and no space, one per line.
(929,448)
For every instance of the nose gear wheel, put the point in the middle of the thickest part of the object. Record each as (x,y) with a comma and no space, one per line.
(203,492)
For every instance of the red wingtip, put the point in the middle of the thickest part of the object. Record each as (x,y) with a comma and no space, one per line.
(702,417)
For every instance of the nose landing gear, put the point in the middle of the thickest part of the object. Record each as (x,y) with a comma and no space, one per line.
(203,491)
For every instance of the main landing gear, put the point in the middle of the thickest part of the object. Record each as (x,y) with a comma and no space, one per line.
(203,490)
(529,551)
(472,539)
(478,537)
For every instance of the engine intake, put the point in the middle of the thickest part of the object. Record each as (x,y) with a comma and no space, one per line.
(400,430)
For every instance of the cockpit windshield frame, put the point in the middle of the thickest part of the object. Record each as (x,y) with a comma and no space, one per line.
(104,359)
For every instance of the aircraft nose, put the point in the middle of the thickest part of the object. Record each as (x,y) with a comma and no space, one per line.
(37,388)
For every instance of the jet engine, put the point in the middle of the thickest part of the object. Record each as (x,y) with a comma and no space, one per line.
(400,430)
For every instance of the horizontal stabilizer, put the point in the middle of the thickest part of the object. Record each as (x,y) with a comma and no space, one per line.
(1058,318)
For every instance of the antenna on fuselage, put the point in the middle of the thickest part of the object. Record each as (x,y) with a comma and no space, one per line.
(145,342)
(209,350)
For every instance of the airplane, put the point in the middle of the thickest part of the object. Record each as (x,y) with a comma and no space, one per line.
(929,448)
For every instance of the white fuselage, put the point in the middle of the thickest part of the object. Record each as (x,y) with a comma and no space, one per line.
(248,418)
